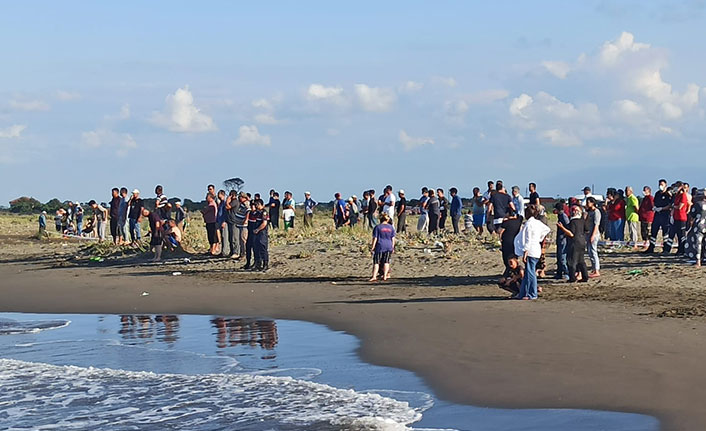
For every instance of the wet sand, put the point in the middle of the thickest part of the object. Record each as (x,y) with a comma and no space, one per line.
(471,345)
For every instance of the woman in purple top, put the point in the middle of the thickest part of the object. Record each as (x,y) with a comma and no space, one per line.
(210,214)
(383,246)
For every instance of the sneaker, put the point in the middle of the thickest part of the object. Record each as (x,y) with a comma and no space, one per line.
(247,266)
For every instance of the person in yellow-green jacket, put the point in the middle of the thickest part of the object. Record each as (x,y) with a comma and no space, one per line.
(632,205)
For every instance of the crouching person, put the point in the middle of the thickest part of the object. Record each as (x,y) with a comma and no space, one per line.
(512,279)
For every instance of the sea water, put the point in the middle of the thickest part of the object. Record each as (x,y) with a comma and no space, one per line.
(164,372)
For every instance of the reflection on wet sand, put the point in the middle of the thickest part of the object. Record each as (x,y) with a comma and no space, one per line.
(237,331)
(163,328)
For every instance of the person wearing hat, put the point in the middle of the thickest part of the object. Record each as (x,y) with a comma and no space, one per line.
(134,216)
(43,224)
(401,211)
(586,194)
(309,205)
(180,216)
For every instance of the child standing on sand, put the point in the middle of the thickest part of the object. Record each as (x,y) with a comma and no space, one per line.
(383,246)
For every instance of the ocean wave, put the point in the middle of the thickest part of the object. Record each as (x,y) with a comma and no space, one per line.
(15,327)
(43,396)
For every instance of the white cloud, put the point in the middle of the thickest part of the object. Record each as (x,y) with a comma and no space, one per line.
(455,111)
(671,111)
(411,87)
(249,135)
(29,105)
(13,131)
(411,143)
(519,104)
(559,69)
(628,108)
(559,138)
(446,81)
(181,115)
(67,95)
(262,104)
(124,114)
(375,99)
(122,143)
(611,51)
(321,93)
(266,118)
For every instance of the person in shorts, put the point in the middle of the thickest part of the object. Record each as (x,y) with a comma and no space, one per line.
(383,246)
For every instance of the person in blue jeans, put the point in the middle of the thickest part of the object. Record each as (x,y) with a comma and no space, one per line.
(562,251)
(528,245)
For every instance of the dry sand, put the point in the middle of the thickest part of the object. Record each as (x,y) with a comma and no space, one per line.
(604,346)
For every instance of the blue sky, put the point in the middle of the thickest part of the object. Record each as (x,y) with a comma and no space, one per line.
(329,97)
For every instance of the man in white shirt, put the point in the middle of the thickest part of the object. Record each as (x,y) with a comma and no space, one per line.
(389,204)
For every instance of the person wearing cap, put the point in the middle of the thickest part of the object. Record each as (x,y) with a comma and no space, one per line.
(180,216)
(134,215)
(352,212)
(401,211)
(456,207)
(43,224)
(309,205)
(586,194)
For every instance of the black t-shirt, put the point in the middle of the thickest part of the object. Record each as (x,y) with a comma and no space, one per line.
(534,198)
(154,218)
(501,204)
(135,208)
(443,205)
(402,203)
(274,208)
(662,199)
(433,206)
(372,206)
(115,207)
(577,226)
(511,228)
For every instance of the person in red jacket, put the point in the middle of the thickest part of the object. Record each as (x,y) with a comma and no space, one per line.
(679,214)
(616,215)
(646,213)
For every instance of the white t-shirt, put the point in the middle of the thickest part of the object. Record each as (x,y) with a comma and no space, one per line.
(288,214)
(389,207)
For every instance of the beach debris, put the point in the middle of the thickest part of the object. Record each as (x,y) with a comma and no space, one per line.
(333,282)
(439,244)
(635,272)
(96,259)
(176,273)
(427,251)
(187,260)
(145,294)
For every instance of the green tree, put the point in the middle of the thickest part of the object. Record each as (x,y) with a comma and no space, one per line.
(234,184)
(25,205)
(53,205)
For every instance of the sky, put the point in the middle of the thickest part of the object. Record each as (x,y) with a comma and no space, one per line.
(341,97)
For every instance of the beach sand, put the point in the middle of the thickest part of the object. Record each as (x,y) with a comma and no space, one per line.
(605,346)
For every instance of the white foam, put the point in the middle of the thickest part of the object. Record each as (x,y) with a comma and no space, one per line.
(15,327)
(43,396)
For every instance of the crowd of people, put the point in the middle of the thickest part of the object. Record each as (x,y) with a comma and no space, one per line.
(237,224)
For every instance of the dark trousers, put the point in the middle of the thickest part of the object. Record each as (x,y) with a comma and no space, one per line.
(577,262)
(274,219)
(660,222)
(262,256)
(442,221)
(455,219)
(508,252)
(645,230)
(561,257)
(249,246)
(677,229)
(114,227)
(433,222)
(402,223)
(232,239)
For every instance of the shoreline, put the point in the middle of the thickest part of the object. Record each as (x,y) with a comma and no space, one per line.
(468,344)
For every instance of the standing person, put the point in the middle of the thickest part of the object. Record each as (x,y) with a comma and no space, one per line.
(576,234)
(241,222)
(646,213)
(662,208)
(433,211)
(632,218)
(309,205)
(593,223)
(100,215)
(383,246)
(288,217)
(616,216)
(210,217)
(372,209)
(250,243)
(78,210)
(518,201)
(180,216)
(289,203)
(456,207)
(401,211)
(115,214)
(528,246)
(43,225)
(134,216)
(162,205)
(562,250)
(222,223)
(488,209)
(423,222)
(353,211)
(211,190)
(478,211)
(533,195)
(586,194)
(508,230)
(679,214)
(122,217)
(699,228)
(57,219)
(339,211)
(156,232)
(443,208)
(274,206)
(232,205)
(388,203)
(500,205)
(262,257)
